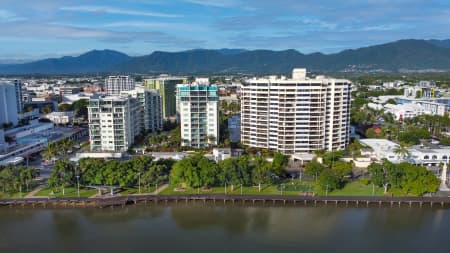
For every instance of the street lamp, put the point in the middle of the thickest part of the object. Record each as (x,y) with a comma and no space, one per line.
(78,185)
(241,189)
(225,187)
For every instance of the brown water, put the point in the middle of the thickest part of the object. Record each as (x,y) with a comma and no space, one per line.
(196,228)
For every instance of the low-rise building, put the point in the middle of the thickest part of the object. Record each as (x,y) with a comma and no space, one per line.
(409,107)
(423,89)
(23,131)
(66,90)
(220,154)
(419,155)
(20,150)
(60,117)
(382,149)
(429,156)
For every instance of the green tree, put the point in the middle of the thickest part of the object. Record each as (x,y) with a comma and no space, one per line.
(417,180)
(224,106)
(332,156)
(328,180)
(27,175)
(65,107)
(314,168)
(401,151)
(80,108)
(391,101)
(279,163)
(230,172)
(8,179)
(413,134)
(66,146)
(195,171)
(46,109)
(62,175)
(50,151)
(261,172)
(175,137)
(379,175)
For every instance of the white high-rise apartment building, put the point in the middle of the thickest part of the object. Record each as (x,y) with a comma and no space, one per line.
(8,103)
(296,115)
(151,108)
(114,85)
(198,113)
(114,123)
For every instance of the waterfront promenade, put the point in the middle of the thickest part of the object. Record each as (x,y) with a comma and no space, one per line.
(339,201)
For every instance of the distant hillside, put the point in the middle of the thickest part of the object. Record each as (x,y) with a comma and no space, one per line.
(409,55)
(440,43)
(90,62)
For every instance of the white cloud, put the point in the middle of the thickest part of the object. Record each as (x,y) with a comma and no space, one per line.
(9,16)
(156,25)
(55,31)
(214,3)
(112,10)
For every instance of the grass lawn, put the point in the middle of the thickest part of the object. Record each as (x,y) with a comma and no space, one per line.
(249,190)
(68,192)
(16,195)
(135,190)
(357,189)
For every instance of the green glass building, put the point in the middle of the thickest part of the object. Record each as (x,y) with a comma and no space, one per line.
(167,87)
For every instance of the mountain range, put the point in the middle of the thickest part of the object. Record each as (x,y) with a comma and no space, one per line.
(399,56)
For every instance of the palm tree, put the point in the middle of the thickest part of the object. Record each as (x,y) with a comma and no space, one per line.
(401,151)
(66,145)
(50,151)
(27,175)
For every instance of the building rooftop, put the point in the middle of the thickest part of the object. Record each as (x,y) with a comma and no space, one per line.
(298,76)
(378,145)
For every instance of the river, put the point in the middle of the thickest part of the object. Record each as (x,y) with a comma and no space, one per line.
(198,228)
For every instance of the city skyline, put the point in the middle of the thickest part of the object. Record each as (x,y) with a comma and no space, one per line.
(53,28)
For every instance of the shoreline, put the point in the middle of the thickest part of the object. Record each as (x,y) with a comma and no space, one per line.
(244,200)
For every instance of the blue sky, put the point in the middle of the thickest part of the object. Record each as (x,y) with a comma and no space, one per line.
(31,29)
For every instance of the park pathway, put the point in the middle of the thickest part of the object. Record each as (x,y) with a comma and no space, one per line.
(31,194)
(156,192)
(160,189)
